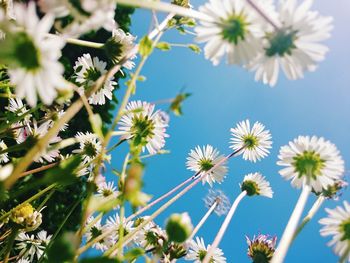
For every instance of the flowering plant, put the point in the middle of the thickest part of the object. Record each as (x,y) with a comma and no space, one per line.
(69,71)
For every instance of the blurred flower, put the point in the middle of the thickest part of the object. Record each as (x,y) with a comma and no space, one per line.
(261,248)
(255,184)
(254,142)
(38,72)
(197,252)
(179,227)
(87,72)
(312,161)
(94,231)
(222,202)
(234,29)
(119,47)
(114,222)
(3,157)
(201,160)
(106,189)
(337,225)
(143,126)
(32,246)
(295,46)
(90,146)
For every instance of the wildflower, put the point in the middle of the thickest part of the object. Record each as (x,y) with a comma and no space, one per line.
(201,160)
(221,200)
(295,45)
(197,252)
(4,156)
(337,225)
(234,29)
(39,71)
(87,71)
(179,227)
(312,161)
(254,141)
(261,248)
(90,146)
(143,126)
(256,184)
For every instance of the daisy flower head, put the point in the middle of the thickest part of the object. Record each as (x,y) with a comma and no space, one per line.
(32,56)
(107,189)
(295,46)
(114,222)
(143,126)
(337,225)
(94,231)
(4,156)
(256,184)
(87,71)
(197,252)
(202,160)
(31,246)
(90,146)
(253,142)
(261,248)
(222,202)
(234,29)
(119,47)
(312,161)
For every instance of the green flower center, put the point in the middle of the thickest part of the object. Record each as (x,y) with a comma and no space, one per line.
(142,129)
(202,254)
(206,165)
(95,232)
(281,42)
(26,52)
(113,49)
(250,187)
(250,141)
(234,28)
(92,74)
(345,229)
(106,192)
(90,149)
(309,164)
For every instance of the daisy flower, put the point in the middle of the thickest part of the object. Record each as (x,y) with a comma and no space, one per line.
(233,28)
(337,225)
(311,160)
(295,45)
(201,160)
(119,46)
(3,157)
(197,252)
(143,126)
(95,231)
(113,222)
(255,184)
(17,106)
(223,203)
(254,142)
(106,189)
(31,246)
(261,248)
(87,71)
(90,146)
(32,56)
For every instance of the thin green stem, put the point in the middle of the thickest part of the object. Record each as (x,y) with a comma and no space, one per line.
(10,243)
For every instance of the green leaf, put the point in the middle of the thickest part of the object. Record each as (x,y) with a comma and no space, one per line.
(63,248)
(134,253)
(176,105)
(165,46)
(195,48)
(145,46)
(64,173)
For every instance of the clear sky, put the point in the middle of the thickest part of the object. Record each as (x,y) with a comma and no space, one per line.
(222,96)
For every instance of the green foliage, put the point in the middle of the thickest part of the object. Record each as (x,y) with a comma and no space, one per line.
(195,48)
(164,46)
(63,248)
(146,46)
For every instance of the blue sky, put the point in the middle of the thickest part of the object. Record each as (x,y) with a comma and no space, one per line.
(222,96)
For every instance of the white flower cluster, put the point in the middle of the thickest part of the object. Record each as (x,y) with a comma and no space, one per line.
(263,38)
